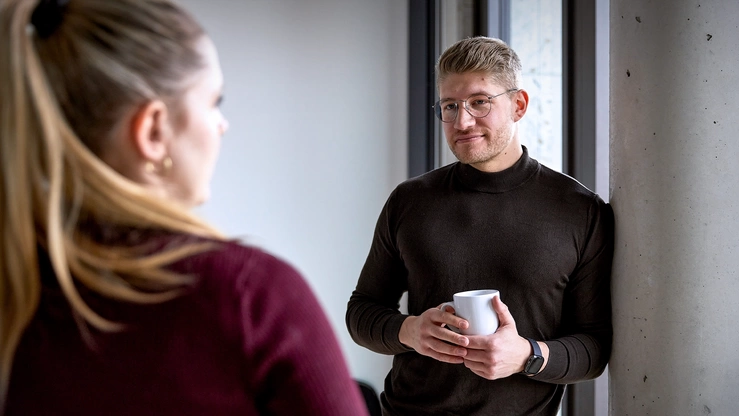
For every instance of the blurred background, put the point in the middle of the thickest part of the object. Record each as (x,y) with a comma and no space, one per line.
(316,98)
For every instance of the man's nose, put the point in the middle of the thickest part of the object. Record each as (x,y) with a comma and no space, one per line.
(464,119)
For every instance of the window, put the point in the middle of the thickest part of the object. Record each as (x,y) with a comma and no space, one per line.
(536,36)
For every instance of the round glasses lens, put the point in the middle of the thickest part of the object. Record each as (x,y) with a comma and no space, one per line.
(478,105)
(446,111)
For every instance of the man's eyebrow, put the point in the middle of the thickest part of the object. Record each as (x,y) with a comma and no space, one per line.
(485,93)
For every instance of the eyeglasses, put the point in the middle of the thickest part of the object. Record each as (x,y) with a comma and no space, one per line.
(477,106)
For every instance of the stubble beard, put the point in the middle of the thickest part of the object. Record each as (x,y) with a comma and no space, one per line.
(493,145)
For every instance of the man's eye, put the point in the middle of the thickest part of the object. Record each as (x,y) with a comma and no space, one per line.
(450,107)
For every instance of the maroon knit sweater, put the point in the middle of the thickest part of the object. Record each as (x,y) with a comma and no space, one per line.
(250,338)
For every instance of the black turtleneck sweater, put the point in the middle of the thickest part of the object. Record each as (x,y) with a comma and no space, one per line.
(538,236)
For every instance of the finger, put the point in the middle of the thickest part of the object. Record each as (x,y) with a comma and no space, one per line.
(445,307)
(449,359)
(444,352)
(448,318)
(474,365)
(480,342)
(504,315)
(448,349)
(449,336)
(475,356)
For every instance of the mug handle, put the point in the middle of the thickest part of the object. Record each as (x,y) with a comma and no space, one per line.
(444,308)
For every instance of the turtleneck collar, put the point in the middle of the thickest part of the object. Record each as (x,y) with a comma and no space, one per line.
(497,182)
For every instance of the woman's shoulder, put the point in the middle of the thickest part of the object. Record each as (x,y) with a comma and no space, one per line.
(235,282)
(234,265)
(233,257)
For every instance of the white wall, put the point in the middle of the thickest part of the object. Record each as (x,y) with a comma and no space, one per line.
(316,95)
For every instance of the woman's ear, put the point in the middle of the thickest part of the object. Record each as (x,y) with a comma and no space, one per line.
(150,131)
(520,104)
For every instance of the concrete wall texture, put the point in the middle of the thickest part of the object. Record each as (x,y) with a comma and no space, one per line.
(675,192)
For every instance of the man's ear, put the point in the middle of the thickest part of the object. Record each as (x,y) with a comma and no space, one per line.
(150,131)
(520,104)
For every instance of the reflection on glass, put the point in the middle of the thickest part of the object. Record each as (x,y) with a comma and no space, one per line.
(536,35)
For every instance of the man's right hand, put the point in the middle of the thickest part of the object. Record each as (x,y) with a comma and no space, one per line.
(428,335)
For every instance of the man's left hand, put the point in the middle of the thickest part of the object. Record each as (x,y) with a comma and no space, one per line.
(500,354)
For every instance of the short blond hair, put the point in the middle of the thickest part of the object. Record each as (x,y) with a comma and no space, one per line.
(481,54)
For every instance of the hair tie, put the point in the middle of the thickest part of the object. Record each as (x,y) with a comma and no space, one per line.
(47,16)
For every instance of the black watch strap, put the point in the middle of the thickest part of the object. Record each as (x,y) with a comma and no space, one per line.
(535,362)
(534,346)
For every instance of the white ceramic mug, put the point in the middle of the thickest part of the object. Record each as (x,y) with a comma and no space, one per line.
(476,307)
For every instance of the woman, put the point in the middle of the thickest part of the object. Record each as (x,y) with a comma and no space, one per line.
(116,299)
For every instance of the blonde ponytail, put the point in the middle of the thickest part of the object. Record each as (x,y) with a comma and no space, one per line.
(51,176)
(19,273)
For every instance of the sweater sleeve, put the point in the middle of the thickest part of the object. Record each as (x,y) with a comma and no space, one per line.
(296,363)
(373,317)
(584,350)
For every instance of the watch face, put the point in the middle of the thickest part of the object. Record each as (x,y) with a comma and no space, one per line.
(533,365)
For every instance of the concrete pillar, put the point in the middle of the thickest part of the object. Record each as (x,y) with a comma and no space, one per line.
(674,85)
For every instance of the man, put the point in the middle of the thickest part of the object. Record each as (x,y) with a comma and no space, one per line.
(497,219)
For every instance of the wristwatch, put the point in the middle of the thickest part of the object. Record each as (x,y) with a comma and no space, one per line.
(534,363)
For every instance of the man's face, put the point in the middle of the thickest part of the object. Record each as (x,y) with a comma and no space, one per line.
(488,143)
